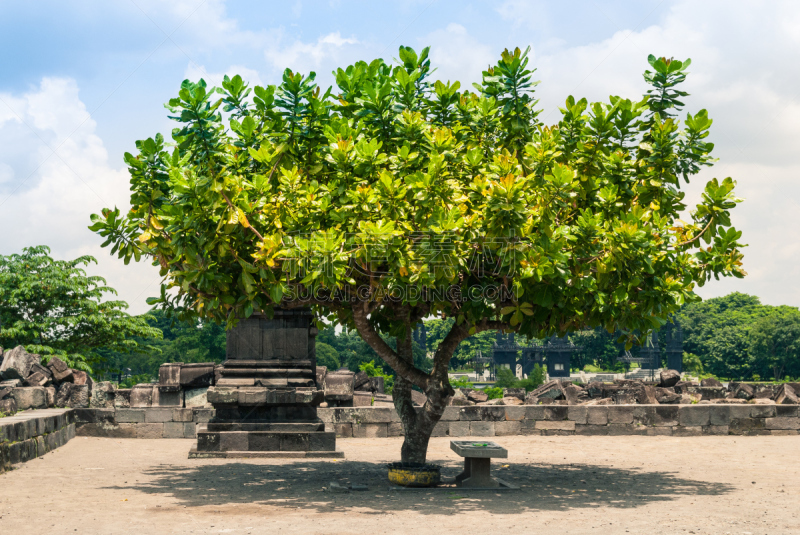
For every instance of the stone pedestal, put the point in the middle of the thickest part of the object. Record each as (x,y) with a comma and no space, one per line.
(266,396)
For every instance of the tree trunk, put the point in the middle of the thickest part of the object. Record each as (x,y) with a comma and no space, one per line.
(418,423)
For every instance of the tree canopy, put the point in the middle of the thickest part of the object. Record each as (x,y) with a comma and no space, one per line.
(53,308)
(737,337)
(392,198)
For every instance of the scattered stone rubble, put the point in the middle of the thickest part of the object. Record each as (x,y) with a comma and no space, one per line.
(668,390)
(27,384)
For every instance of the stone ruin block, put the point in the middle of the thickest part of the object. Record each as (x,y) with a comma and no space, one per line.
(360,380)
(518,393)
(167,399)
(476,396)
(8,406)
(80,377)
(362,399)
(40,376)
(169,377)
(196,375)
(51,396)
(17,364)
(339,385)
(196,397)
(79,396)
(377,385)
(319,376)
(669,378)
(63,395)
(30,397)
(61,372)
(122,398)
(786,395)
(142,395)
(418,398)
(102,395)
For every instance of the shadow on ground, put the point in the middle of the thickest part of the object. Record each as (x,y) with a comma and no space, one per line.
(300,484)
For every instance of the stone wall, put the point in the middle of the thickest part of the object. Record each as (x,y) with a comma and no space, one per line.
(481,421)
(31,434)
(149,422)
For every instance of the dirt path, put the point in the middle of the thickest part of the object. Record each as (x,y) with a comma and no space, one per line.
(736,485)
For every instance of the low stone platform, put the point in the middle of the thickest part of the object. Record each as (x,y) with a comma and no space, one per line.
(30,434)
(194,454)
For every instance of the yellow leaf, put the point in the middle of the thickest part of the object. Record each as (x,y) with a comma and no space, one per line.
(242,218)
(155,223)
(403,271)
(145,236)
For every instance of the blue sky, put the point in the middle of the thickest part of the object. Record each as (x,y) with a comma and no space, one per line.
(82,81)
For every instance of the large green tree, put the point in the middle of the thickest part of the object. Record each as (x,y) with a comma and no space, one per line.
(389,199)
(53,308)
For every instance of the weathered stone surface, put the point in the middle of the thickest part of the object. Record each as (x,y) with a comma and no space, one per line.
(786,395)
(620,414)
(196,375)
(5,391)
(8,406)
(362,399)
(459,399)
(669,378)
(564,425)
(359,380)
(511,400)
(477,396)
(624,396)
(17,364)
(339,385)
(81,378)
(63,395)
(418,398)
(708,392)
(10,383)
(37,379)
(196,397)
(552,389)
(102,395)
(575,395)
(601,401)
(50,392)
(744,391)
(319,376)
(169,377)
(30,397)
(694,415)
(142,395)
(122,398)
(377,385)
(79,396)
(481,429)
(747,426)
(518,393)
(710,381)
(782,423)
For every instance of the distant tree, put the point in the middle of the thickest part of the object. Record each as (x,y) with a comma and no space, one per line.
(53,308)
(775,344)
(192,340)
(327,356)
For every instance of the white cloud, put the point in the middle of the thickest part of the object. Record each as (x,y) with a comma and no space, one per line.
(53,205)
(457,55)
(328,52)
(194,72)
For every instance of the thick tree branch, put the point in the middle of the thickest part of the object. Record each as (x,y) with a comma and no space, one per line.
(371,337)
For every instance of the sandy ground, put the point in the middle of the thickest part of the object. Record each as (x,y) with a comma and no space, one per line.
(737,485)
